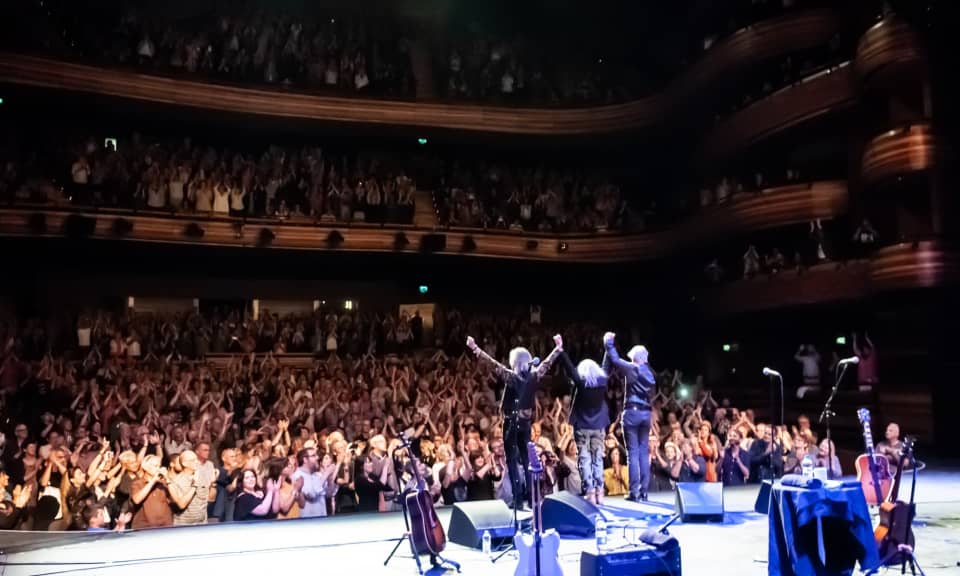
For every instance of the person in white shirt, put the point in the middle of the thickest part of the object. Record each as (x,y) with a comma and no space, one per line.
(313,494)
(809,359)
(221,198)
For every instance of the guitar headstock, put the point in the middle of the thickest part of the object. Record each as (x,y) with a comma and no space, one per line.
(535,465)
(906,448)
(863,414)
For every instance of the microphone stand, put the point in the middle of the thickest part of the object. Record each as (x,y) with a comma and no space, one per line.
(828,413)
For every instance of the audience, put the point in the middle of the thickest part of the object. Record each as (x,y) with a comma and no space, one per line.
(103,438)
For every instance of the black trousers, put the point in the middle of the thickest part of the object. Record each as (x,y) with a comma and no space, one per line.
(516,435)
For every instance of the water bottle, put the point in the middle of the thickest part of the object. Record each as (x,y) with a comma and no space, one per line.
(600,531)
(486,542)
(806,465)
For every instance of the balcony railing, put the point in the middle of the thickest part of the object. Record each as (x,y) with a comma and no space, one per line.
(769,209)
(768,39)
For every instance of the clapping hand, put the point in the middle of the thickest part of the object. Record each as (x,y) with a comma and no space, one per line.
(21,495)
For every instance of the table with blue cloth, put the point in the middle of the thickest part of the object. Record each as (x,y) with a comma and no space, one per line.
(822,530)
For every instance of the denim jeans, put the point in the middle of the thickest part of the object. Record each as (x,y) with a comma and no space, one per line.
(590,458)
(636,433)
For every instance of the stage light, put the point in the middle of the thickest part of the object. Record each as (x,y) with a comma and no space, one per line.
(424,288)
(683,392)
(348,305)
(726,348)
(841,341)
(422,141)
(1,100)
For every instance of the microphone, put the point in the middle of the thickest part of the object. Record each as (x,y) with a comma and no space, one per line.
(771,372)
(535,362)
(850,360)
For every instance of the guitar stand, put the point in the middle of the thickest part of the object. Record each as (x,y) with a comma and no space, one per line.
(908,558)
(436,560)
(405,536)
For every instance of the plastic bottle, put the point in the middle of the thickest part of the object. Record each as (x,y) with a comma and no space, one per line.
(600,530)
(486,542)
(806,465)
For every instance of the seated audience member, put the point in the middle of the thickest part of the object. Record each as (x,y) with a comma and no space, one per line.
(827,458)
(891,445)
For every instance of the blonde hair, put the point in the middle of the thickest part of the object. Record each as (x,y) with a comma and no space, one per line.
(638,354)
(591,373)
(518,356)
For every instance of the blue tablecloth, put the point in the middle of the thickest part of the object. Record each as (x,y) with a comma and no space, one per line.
(820,532)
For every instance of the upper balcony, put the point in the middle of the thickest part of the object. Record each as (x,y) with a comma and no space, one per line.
(769,209)
(886,46)
(765,40)
(900,151)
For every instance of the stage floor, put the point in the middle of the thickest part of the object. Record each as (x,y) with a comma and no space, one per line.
(357,545)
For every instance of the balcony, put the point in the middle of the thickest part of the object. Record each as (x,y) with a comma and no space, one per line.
(906,266)
(827,91)
(765,40)
(769,209)
(888,45)
(899,152)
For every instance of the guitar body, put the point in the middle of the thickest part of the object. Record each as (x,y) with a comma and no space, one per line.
(549,554)
(875,479)
(426,531)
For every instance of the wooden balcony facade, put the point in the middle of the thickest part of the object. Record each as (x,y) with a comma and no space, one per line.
(770,209)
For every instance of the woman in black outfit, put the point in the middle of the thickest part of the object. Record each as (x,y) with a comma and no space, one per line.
(590,417)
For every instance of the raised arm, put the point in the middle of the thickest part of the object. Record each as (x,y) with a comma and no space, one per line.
(610,355)
(547,363)
(567,364)
(502,371)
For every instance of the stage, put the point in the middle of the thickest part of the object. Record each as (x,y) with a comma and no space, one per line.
(358,544)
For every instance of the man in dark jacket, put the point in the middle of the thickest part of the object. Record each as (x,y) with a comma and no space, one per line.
(639,383)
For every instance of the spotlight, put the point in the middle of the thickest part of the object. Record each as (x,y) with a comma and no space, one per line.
(334,238)
(562,246)
(122,227)
(78,226)
(433,242)
(469,245)
(37,222)
(400,241)
(532,244)
(265,238)
(193,230)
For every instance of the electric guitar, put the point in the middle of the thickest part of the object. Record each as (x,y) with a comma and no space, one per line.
(873,470)
(540,551)
(896,516)
(426,531)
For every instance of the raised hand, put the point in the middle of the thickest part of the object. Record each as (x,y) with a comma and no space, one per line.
(608,337)
(471,343)
(558,341)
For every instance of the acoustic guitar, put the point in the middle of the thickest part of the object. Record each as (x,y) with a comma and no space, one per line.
(540,551)
(896,517)
(873,470)
(426,531)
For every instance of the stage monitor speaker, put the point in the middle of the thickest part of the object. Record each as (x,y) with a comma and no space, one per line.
(569,514)
(700,501)
(762,506)
(631,562)
(469,520)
